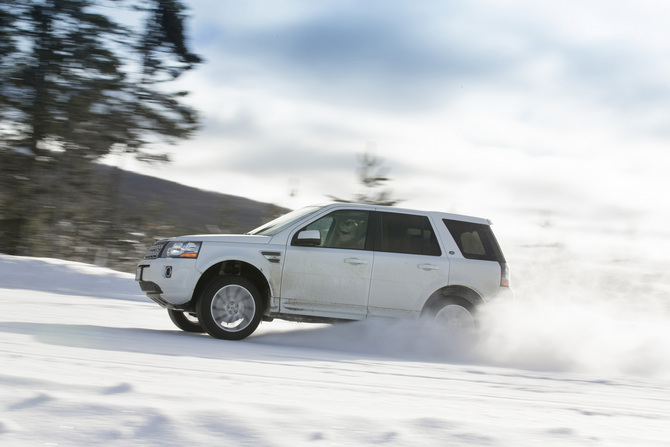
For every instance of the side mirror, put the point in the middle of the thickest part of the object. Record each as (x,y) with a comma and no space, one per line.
(308,238)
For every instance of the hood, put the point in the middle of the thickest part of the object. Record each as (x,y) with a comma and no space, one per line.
(231,238)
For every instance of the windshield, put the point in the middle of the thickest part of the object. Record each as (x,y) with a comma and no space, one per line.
(273,227)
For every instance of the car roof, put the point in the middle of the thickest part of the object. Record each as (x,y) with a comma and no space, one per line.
(393,209)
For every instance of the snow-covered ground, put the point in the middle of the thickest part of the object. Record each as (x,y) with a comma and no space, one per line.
(583,359)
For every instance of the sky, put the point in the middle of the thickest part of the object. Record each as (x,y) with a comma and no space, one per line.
(489,108)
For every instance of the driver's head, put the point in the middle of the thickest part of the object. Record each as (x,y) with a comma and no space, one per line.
(348,229)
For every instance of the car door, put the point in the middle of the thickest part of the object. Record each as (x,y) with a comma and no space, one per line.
(330,277)
(408,265)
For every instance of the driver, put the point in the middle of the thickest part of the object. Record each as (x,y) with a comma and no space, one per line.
(347,233)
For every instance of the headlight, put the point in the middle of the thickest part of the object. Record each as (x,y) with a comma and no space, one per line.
(179,249)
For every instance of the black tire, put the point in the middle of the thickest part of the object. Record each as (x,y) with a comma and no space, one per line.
(455,315)
(230,308)
(187,323)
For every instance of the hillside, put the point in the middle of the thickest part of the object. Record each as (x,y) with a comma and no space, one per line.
(189,209)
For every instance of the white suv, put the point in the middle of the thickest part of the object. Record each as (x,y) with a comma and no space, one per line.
(328,263)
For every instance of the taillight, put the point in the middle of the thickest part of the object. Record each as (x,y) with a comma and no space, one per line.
(505,275)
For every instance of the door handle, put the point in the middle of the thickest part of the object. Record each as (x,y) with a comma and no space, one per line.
(428,267)
(355,261)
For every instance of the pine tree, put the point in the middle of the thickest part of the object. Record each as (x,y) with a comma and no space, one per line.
(78,84)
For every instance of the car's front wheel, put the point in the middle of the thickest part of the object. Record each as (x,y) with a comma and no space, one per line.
(185,322)
(230,308)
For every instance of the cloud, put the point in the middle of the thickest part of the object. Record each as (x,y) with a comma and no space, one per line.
(288,160)
(398,57)
(377,54)
(474,105)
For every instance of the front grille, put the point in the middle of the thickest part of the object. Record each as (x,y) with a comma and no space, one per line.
(155,250)
(150,287)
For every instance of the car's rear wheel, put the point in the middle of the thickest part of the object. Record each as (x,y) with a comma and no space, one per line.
(455,316)
(185,321)
(230,308)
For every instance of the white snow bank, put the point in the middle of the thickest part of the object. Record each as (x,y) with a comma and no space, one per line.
(66,277)
(82,367)
(568,319)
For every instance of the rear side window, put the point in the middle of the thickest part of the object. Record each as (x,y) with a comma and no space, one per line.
(408,233)
(476,241)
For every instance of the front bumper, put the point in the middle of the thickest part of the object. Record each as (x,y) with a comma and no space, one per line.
(168,282)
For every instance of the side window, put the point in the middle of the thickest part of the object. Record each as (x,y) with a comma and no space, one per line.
(407,233)
(342,229)
(476,241)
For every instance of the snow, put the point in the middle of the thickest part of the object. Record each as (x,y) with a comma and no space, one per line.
(582,359)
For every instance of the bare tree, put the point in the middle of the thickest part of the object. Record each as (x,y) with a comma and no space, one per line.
(373,176)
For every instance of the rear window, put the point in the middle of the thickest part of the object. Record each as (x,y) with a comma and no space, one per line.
(476,241)
(407,233)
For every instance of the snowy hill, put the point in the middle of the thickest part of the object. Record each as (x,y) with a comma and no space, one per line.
(87,360)
(198,209)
